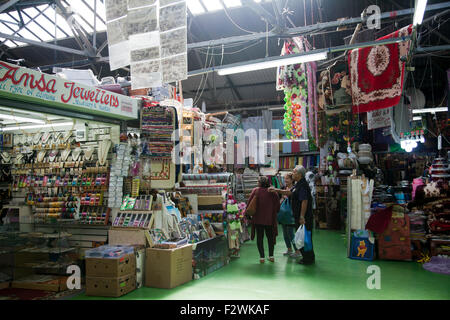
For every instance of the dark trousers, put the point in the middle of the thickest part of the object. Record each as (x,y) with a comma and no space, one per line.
(260,237)
(308,256)
(288,234)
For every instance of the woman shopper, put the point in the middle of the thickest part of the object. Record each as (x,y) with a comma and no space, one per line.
(289,229)
(265,218)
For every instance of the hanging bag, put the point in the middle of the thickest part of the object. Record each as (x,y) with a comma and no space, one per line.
(299,239)
(308,241)
(252,206)
(285,215)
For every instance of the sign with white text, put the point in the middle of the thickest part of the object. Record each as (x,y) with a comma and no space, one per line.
(20,83)
(379,118)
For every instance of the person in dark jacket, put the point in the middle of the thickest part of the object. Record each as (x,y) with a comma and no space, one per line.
(301,208)
(265,218)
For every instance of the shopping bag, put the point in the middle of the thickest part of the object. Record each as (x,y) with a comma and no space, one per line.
(251,208)
(308,240)
(299,239)
(285,215)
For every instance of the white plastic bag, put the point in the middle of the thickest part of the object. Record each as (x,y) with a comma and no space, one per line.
(299,239)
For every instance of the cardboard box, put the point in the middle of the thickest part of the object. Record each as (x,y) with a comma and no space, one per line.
(41,282)
(168,268)
(110,287)
(111,268)
(122,236)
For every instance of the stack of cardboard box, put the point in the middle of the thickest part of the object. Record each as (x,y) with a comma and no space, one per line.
(111,276)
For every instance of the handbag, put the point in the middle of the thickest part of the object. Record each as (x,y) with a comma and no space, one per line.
(285,214)
(251,208)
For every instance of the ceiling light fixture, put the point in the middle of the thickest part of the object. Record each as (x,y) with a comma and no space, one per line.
(417,118)
(52,125)
(430,110)
(419,11)
(21,119)
(273,63)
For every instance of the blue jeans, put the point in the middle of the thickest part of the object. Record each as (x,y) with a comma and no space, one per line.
(288,234)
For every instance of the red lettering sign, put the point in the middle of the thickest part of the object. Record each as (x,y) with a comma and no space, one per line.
(41,84)
(89,95)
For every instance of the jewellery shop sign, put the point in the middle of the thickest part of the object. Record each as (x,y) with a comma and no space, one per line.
(29,85)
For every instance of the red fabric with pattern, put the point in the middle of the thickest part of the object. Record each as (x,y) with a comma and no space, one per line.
(376,73)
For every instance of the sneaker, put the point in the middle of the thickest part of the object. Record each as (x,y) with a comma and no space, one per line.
(262,260)
(288,253)
(271,259)
(295,255)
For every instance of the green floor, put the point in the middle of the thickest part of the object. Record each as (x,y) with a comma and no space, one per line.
(332,277)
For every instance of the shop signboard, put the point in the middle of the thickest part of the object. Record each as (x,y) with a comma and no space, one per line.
(379,118)
(24,84)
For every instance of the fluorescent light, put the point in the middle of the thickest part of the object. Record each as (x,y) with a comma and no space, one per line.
(273,63)
(286,140)
(419,11)
(417,118)
(212,5)
(22,119)
(53,125)
(430,110)
(195,6)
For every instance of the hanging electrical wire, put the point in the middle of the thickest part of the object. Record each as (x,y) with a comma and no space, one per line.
(205,77)
(234,52)
(235,24)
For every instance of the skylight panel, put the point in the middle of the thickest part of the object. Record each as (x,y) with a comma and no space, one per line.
(195,6)
(41,33)
(232,3)
(212,5)
(28,35)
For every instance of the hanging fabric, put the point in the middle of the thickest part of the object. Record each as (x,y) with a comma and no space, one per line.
(377,73)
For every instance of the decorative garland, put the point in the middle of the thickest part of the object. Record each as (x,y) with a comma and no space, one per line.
(293,77)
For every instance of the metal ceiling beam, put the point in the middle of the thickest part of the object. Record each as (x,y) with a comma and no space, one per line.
(242,86)
(263,13)
(329,50)
(44,15)
(94,10)
(45,45)
(34,19)
(433,48)
(77,29)
(440,35)
(197,55)
(7,5)
(24,26)
(103,46)
(311,28)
